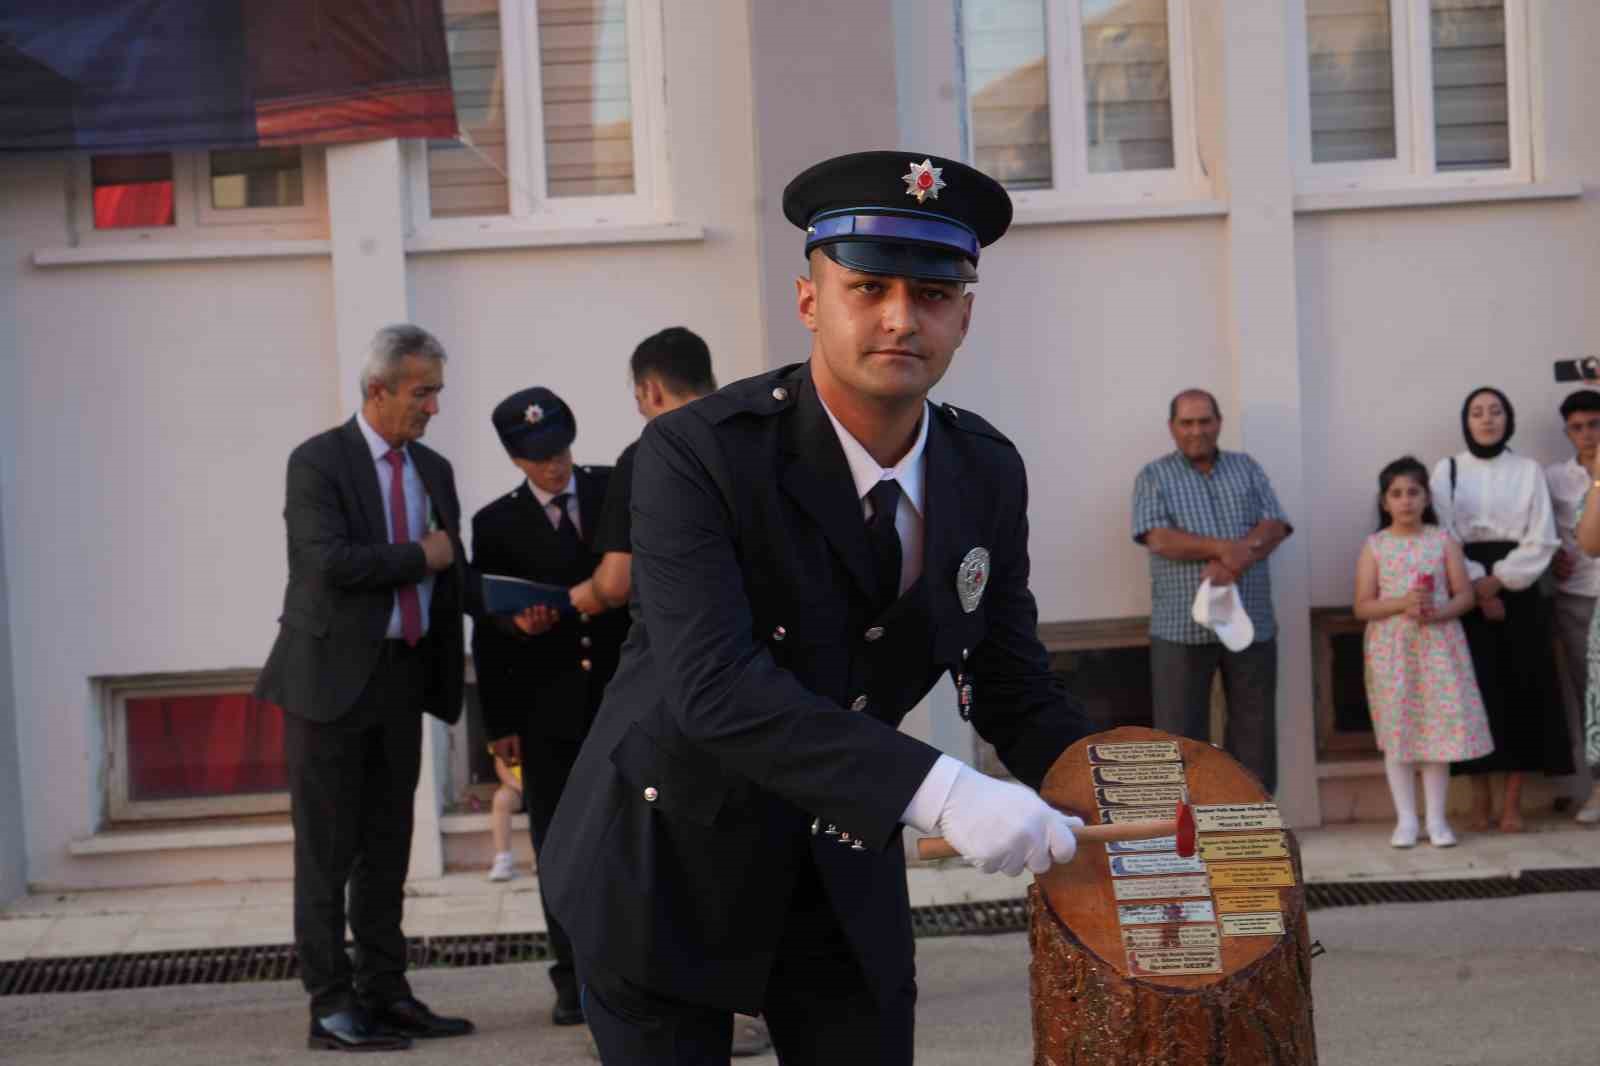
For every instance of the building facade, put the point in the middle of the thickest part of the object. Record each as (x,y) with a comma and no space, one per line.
(1337,215)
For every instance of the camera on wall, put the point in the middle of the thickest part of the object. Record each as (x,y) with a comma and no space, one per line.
(1586,368)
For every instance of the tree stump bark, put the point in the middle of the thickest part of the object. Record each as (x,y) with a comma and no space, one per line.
(1088,1010)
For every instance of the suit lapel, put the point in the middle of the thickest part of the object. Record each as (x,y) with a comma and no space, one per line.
(432,478)
(816,477)
(947,536)
(364,475)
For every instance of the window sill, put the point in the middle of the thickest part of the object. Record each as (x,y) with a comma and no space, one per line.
(1119,212)
(497,235)
(128,841)
(179,251)
(1367,199)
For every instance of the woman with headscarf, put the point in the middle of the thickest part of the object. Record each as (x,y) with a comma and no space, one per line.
(1498,506)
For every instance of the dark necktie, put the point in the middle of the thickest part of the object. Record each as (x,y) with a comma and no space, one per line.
(564,527)
(410,603)
(884,540)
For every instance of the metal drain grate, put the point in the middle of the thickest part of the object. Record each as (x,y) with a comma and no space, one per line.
(277,962)
(970,919)
(1528,883)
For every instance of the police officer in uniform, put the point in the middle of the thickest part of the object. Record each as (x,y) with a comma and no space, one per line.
(541,673)
(812,549)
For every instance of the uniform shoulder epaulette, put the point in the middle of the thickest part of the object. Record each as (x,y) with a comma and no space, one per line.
(960,418)
(764,394)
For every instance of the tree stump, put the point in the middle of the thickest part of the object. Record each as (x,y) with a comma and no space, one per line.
(1087,1008)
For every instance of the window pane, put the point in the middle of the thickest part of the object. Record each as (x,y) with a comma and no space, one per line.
(1008,90)
(1469,85)
(187,747)
(1351,58)
(1128,85)
(261,177)
(132,190)
(465,180)
(588,116)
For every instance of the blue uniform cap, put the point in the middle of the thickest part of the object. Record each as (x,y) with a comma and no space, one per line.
(899,213)
(534,424)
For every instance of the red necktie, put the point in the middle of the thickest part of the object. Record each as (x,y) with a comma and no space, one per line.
(410,604)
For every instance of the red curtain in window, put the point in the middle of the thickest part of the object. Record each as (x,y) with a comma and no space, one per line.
(184,747)
(122,206)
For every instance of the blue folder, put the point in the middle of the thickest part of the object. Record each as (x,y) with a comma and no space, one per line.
(512,595)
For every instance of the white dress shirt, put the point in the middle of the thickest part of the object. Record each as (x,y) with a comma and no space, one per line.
(1504,498)
(416,515)
(926,805)
(547,500)
(908,517)
(1569,484)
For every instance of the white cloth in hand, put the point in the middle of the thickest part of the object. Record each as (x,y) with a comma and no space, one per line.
(1004,827)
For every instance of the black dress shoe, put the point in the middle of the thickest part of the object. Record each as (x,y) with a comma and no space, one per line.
(352,1030)
(568,1009)
(411,1017)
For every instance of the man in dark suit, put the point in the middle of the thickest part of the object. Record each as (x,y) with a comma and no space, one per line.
(812,549)
(369,639)
(541,673)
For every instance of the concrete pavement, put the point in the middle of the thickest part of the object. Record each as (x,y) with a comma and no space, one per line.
(1483,983)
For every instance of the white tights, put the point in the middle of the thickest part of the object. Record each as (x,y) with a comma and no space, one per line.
(1402,787)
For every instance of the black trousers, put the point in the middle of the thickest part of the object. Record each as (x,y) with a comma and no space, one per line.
(546,764)
(819,1008)
(351,787)
(1180,690)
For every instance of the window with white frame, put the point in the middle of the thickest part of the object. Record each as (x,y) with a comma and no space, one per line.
(279,191)
(560,108)
(192,746)
(1411,92)
(1080,99)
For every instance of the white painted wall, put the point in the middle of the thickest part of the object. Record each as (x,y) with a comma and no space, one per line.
(152,413)
(569,318)
(146,410)
(1402,314)
(1080,335)
(154,406)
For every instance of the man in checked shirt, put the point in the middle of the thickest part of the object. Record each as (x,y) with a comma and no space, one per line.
(1209,514)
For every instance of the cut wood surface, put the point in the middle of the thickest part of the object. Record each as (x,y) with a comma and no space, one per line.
(1086,1006)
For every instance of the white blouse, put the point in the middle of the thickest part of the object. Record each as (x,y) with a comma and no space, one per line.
(1504,498)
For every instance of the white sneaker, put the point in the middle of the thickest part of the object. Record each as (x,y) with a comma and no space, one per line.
(1589,813)
(1441,836)
(503,869)
(1404,835)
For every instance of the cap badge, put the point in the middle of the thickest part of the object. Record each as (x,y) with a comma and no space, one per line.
(533,415)
(923,181)
(972,577)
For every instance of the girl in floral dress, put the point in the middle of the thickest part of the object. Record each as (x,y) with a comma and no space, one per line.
(1411,587)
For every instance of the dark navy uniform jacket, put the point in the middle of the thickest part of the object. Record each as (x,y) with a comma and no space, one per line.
(551,684)
(759,692)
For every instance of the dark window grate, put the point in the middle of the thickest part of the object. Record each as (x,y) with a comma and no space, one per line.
(277,962)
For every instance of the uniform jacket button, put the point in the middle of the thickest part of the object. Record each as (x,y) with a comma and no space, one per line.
(586,665)
(585,642)
(780,394)
(779,633)
(875,633)
(650,794)
(859,703)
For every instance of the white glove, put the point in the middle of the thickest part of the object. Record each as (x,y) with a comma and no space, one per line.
(1002,826)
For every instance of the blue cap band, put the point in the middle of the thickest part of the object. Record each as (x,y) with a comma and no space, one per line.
(928,230)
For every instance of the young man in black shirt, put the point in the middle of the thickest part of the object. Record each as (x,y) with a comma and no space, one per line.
(669,369)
